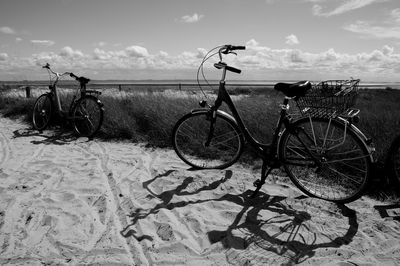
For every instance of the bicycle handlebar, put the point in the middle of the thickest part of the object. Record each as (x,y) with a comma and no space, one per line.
(226,49)
(81,80)
(73,76)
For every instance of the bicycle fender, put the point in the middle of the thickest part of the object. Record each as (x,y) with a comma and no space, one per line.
(351,127)
(221,113)
(96,99)
(366,141)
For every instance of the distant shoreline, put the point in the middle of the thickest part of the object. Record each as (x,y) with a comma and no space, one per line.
(256,83)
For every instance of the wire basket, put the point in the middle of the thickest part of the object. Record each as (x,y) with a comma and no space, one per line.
(329,98)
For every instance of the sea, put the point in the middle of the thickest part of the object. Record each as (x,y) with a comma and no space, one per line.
(186,82)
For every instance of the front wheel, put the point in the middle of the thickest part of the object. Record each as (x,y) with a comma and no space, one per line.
(42,112)
(206,145)
(87,116)
(326,159)
(393,162)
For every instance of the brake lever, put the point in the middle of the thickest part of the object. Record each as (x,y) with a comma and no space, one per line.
(226,51)
(233,53)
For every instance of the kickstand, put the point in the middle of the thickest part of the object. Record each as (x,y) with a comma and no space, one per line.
(260,182)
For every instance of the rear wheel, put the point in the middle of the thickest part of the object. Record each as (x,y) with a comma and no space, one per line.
(325,159)
(42,112)
(194,144)
(87,116)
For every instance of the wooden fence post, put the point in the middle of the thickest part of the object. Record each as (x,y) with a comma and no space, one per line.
(28,91)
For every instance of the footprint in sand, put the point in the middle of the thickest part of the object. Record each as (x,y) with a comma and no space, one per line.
(101,206)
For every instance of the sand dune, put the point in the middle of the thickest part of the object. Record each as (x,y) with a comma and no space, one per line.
(67,201)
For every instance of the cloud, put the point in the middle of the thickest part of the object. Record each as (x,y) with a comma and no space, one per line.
(292,39)
(388,28)
(7,30)
(3,56)
(68,52)
(136,51)
(100,54)
(380,63)
(191,18)
(100,44)
(252,42)
(374,31)
(257,61)
(395,15)
(43,42)
(346,6)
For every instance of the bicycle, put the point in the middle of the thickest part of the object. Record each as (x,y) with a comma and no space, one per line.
(85,110)
(324,154)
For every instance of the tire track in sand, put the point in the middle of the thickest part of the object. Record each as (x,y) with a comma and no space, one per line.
(135,249)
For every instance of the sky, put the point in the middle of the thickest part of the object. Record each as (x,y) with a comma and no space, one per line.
(166,39)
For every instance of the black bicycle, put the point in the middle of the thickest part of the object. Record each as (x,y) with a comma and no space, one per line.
(323,152)
(85,110)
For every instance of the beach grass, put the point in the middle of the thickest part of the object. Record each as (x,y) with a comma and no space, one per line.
(148,115)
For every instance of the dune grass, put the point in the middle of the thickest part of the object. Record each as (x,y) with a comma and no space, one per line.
(149,116)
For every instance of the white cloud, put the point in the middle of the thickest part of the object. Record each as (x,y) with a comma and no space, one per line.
(100,44)
(374,31)
(344,7)
(387,50)
(163,54)
(395,14)
(7,30)
(68,52)
(100,54)
(18,39)
(136,51)
(3,56)
(377,63)
(292,39)
(191,18)
(43,42)
(252,42)
(386,28)
(269,63)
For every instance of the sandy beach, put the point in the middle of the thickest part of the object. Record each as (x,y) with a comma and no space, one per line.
(68,201)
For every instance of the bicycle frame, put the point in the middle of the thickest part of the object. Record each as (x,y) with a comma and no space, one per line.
(55,92)
(264,150)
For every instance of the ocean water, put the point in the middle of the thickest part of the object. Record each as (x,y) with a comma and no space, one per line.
(177,83)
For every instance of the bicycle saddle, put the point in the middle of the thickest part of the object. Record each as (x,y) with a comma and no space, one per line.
(83,80)
(297,89)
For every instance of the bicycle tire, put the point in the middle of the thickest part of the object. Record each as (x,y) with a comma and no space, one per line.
(87,116)
(42,112)
(393,162)
(343,169)
(191,132)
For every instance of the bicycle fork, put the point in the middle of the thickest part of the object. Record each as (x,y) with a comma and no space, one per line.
(213,118)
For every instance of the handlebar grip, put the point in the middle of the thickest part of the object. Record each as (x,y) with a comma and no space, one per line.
(232,69)
(72,75)
(240,47)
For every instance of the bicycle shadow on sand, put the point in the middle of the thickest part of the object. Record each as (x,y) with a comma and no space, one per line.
(268,229)
(166,198)
(56,136)
(391,211)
